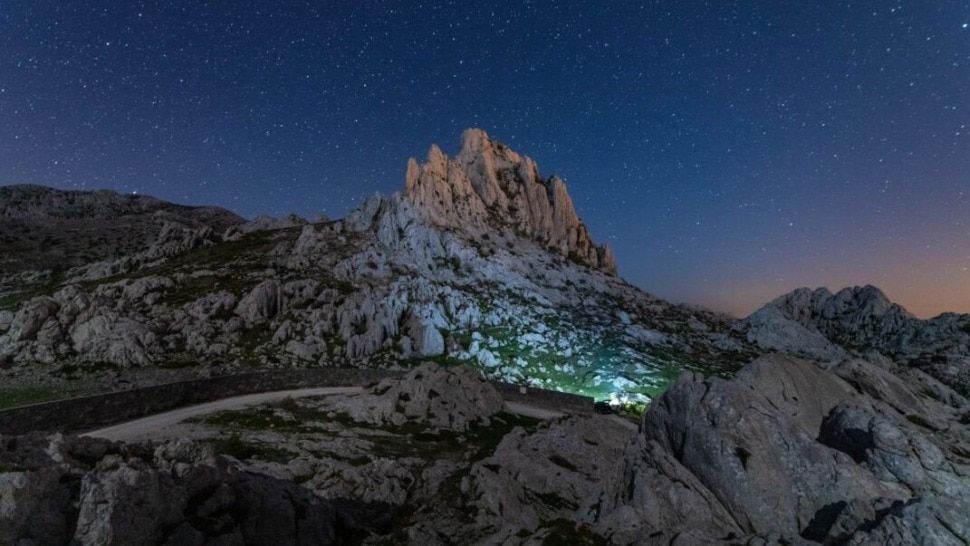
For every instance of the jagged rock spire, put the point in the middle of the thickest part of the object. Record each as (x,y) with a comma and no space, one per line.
(488,186)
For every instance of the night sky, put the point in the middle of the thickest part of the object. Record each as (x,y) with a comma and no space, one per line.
(729,151)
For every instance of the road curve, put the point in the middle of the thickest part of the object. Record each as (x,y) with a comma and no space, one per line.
(140,427)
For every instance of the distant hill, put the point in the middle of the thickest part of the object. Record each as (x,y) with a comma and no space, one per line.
(822,325)
(43,228)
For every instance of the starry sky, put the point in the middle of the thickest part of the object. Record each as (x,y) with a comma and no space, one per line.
(728,151)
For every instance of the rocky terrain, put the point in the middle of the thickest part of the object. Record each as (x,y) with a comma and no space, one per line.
(821,325)
(787,452)
(43,230)
(480,260)
(820,419)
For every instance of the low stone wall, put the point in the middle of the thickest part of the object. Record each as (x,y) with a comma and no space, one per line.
(542,398)
(91,412)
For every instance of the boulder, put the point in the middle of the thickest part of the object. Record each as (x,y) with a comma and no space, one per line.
(454,398)
(752,442)
(426,339)
(85,491)
(30,318)
(262,303)
(562,471)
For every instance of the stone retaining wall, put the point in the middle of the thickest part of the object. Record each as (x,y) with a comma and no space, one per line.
(554,400)
(91,412)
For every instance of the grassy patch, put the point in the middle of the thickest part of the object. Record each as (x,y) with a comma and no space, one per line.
(568,533)
(178,363)
(189,289)
(235,446)
(11,301)
(415,440)
(251,341)
(11,397)
(919,421)
(4,468)
(259,418)
(409,440)
(73,371)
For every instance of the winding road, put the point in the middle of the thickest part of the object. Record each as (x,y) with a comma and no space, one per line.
(139,427)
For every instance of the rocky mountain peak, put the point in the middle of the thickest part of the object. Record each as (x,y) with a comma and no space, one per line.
(824,326)
(862,302)
(488,187)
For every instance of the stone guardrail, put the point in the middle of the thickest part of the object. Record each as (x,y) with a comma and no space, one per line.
(91,412)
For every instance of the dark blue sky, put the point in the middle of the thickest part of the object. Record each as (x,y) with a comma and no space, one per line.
(729,151)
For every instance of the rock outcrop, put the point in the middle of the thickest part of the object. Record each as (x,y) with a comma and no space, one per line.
(786,452)
(487,186)
(822,325)
(454,398)
(56,490)
(791,449)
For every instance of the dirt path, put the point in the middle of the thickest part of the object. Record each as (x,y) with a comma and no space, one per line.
(138,428)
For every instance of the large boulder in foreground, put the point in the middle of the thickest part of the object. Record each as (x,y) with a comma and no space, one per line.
(453,398)
(851,454)
(56,490)
(562,471)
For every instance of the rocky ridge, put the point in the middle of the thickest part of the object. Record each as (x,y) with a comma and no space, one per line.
(480,260)
(43,228)
(821,325)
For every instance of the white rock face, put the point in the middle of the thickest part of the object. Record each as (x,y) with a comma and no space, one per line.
(264,302)
(426,340)
(488,184)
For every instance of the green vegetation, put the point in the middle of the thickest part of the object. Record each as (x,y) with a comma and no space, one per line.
(4,468)
(11,397)
(77,371)
(920,421)
(295,419)
(250,342)
(10,301)
(451,262)
(563,532)
(235,446)
(409,440)
(551,500)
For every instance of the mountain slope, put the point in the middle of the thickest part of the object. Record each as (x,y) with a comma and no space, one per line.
(479,260)
(43,227)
